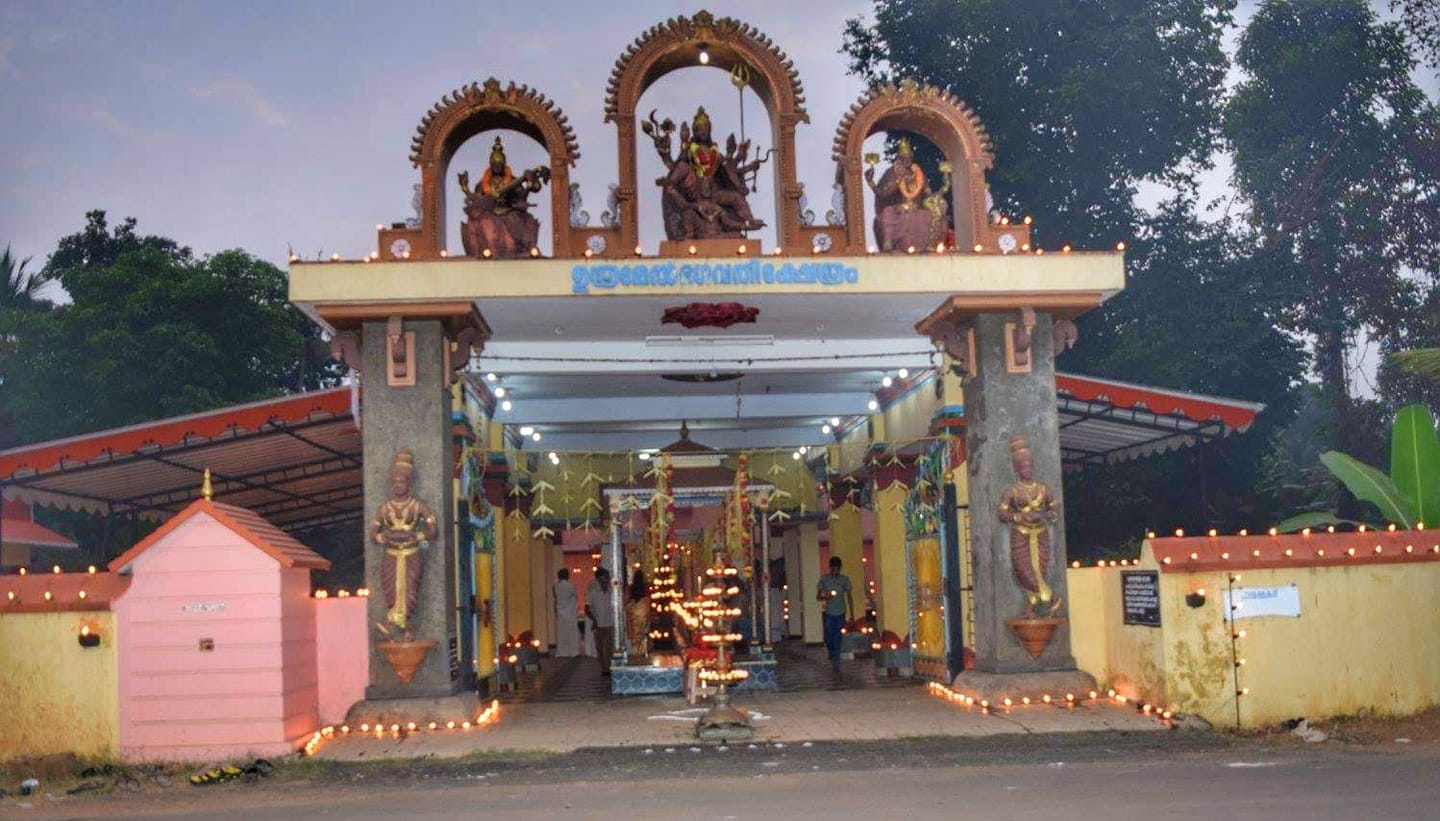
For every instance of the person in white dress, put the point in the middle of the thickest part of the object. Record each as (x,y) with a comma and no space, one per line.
(567,617)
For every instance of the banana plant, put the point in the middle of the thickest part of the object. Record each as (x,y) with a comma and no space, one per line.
(1408,497)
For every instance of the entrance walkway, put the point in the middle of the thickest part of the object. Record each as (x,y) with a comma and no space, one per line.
(800,668)
(666,724)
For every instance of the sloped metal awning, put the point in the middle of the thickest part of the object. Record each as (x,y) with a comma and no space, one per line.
(294,460)
(1103,421)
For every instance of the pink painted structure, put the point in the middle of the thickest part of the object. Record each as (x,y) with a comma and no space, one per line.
(218,639)
(342,655)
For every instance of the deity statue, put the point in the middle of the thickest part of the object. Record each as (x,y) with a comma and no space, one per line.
(1029,508)
(497,210)
(907,213)
(704,190)
(403,527)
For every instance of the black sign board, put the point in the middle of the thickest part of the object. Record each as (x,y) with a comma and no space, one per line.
(1140,590)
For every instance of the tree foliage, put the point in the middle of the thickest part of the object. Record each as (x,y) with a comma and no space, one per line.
(1335,153)
(151,331)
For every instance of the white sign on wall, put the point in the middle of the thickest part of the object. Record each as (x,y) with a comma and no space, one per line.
(203,607)
(1254,602)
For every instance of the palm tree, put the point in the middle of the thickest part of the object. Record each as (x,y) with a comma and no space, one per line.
(20,289)
(1419,361)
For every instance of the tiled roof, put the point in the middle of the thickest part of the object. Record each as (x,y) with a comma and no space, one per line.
(249,526)
(1207,553)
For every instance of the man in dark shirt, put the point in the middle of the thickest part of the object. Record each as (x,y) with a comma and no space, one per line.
(836,607)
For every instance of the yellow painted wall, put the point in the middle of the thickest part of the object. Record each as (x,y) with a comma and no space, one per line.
(893,610)
(58,697)
(514,539)
(809,577)
(847,540)
(1368,639)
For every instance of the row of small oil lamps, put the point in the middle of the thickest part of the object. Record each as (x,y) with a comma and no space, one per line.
(1068,700)
(488,715)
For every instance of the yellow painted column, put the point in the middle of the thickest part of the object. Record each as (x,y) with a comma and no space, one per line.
(810,573)
(894,608)
(516,544)
(540,590)
(847,540)
(485,648)
(794,591)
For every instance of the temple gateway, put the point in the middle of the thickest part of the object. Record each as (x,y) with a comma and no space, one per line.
(878,389)
(744,449)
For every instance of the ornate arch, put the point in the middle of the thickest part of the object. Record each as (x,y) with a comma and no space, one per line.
(478,107)
(939,117)
(677,43)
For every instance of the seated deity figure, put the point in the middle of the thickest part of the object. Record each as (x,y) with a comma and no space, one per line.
(704,190)
(497,210)
(907,213)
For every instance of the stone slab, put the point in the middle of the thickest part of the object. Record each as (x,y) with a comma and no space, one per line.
(995,687)
(458,707)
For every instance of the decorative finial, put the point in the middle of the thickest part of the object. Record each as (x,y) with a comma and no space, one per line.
(684,429)
(206,491)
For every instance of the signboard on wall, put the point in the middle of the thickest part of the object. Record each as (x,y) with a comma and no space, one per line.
(1255,602)
(1140,591)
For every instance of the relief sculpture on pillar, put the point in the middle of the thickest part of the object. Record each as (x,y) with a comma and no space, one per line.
(403,528)
(1028,507)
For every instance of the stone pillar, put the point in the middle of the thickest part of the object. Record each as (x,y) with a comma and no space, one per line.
(894,607)
(999,404)
(415,418)
(808,578)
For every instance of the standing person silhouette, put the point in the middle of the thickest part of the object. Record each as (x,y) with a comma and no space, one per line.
(836,607)
(567,616)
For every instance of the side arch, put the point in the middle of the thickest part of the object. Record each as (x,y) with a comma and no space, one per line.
(939,117)
(677,43)
(478,107)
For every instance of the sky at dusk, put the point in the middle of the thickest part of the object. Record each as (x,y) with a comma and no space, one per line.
(270,126)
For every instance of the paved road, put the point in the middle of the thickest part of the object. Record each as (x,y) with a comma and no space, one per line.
(1049,778)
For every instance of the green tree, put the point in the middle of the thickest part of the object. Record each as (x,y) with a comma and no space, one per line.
(151,331)
(1193,316)
(1083,101)
(1335,154)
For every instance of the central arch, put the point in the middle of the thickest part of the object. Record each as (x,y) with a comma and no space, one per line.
(677,43)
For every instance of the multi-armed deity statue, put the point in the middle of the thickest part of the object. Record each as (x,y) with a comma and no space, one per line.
(704,191)
(907,213)
(497,210)
(402,527)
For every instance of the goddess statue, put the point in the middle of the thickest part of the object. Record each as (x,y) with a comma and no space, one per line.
(704,190)
(907,213)
(403,526)
(1029,508)
(497,210)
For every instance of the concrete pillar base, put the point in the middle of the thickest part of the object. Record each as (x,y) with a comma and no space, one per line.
(457,707)
(996,687)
